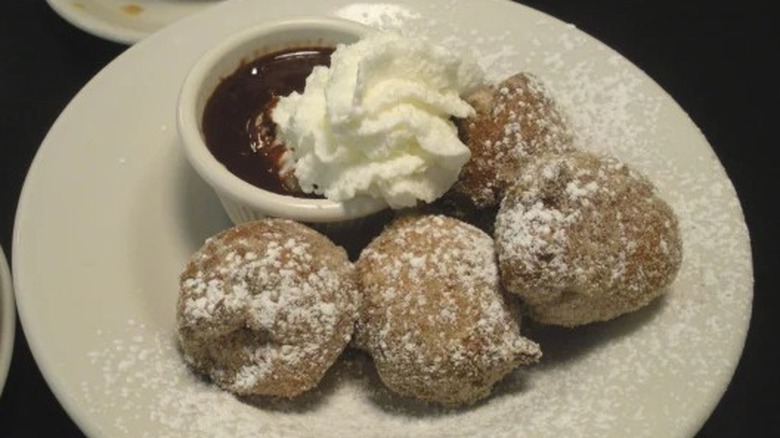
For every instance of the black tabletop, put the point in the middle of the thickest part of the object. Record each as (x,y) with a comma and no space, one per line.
(714,58)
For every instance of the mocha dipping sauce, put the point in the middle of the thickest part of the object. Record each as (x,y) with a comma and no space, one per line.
(237,123)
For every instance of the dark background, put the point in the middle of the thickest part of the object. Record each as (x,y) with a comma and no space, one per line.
(713,57)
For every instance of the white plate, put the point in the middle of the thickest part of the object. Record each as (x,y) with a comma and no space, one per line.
(7,319)
(125,21)
(110,213)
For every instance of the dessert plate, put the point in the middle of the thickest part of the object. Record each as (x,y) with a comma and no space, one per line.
(125,21)
(110,212)
(7,319)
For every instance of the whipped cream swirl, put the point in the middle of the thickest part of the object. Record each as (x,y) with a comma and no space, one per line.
(378,121)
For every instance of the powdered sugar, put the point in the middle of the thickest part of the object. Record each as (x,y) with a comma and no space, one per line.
(582,238)
(537,231)
(654,373)
(515,121)
(266,304)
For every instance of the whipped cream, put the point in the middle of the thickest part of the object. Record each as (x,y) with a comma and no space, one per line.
(378,121)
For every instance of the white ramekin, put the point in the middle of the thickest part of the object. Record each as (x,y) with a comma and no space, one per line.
(242,201)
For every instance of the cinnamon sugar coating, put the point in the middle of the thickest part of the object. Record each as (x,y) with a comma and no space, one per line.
(433,315)
(584,238)
(266,307)
(516,121)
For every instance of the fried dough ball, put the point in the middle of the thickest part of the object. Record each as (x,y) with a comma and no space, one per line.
(583,238)
(434,318)
(266,307)
(516,121)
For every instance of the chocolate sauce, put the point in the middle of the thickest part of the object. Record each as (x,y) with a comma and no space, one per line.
(237,122)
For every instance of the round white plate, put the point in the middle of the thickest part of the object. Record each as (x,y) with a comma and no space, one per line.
(110,213)
(125,21)
(7,319)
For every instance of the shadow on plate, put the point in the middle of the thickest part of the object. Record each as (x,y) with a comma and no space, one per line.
(563,345)
(199,207)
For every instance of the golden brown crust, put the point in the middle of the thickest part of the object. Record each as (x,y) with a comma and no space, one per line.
(433,317)
(266,307)
(583,238)
(515,121)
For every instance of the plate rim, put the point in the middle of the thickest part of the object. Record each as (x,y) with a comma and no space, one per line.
(88,22)
(83,423)
(7,319)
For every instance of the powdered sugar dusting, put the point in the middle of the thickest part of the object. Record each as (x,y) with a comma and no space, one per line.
(515,122)
(264,305)
(654,373)
(433,317)
(535,231)
(583,238)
